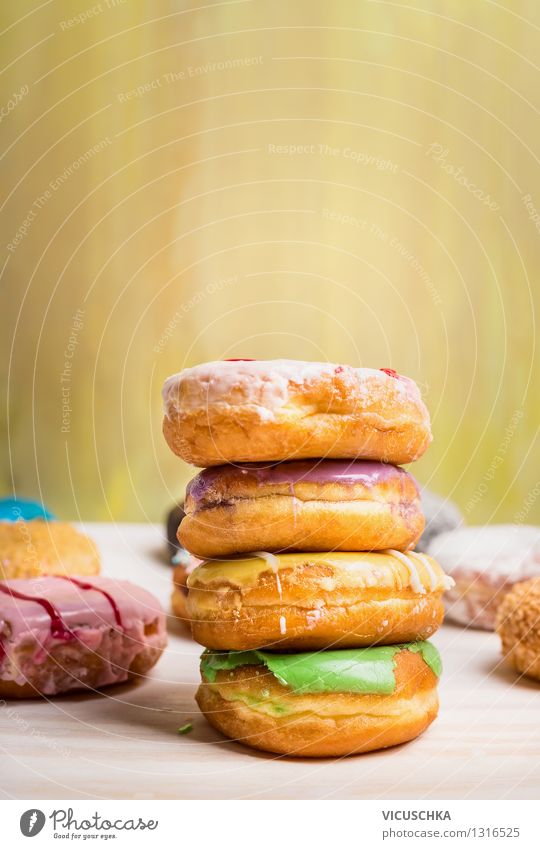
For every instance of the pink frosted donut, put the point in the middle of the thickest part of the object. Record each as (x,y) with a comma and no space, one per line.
(269,410)
(63,633)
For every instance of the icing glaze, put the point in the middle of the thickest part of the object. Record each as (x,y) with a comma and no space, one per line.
(486,562)
(85,585)
(15,509)
(366,568)
(267,384)
(115,619)
(368,473)
(367,670)
(57,626)
(414,578)
(391,373)
(496,551)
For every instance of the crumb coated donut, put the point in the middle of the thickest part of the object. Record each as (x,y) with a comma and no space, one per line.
(518,626)
(270,410)
(59,634)
(185,564)
(485,562)
(328,704)
(344,505)
(312,601)
(28,549)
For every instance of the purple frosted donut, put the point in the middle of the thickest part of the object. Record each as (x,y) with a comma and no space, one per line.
(303,505)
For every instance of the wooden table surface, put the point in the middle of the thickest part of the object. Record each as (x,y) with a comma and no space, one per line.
(123,743)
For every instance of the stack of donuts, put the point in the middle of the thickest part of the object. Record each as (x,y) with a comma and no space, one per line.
(312,606)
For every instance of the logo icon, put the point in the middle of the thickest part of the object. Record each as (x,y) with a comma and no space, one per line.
(32,822)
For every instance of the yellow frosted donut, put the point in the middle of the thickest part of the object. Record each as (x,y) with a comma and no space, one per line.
(312,601)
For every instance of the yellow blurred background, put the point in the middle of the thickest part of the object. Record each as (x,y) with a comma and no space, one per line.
(348,181)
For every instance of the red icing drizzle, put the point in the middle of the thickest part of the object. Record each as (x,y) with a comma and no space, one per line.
(59,628)
(390,372)
(84,585)
(239,360)
(339,369)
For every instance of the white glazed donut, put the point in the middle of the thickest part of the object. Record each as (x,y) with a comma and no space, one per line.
(485,563)
(268,410)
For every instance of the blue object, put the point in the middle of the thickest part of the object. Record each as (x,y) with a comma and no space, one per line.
(13,509)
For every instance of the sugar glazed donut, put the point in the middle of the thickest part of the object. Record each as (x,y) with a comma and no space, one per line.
(269,410)
(295,602)
(28,549)
(518,626)
(59,634)
(331,703)
(485,562)
(303,505)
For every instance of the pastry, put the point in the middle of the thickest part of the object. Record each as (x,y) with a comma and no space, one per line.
(185,564)
(331,703)
(485,563)
(28,549)
(59,634)
(272,410)
(518,626)
(323,505)
(294,602)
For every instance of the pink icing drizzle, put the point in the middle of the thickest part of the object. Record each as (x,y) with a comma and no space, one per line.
(390,372)
(59,629)
(84,585)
